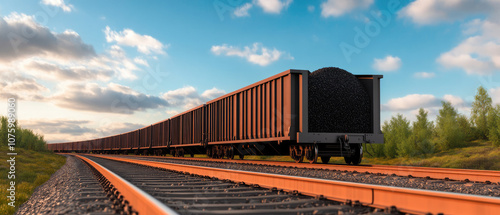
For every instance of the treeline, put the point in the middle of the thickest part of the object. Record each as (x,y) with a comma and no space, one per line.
(25,138)
(451,129)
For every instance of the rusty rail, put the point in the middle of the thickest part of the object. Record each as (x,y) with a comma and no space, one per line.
(422,172)
(140,201)
(407,200)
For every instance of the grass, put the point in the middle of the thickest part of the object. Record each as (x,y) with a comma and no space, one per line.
(32,170)
(475,155)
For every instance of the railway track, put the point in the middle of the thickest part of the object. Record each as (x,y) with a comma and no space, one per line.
(407,200)
(483,176)
(153,191)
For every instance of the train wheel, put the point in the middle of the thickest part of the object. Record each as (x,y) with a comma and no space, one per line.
(241,156)
(325,159)
(192,155)
(230,152)
(299,154)
(312,153)
(347,160)
(358,155)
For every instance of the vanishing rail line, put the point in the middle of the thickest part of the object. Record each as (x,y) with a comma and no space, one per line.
(419,172)
(192,194)
(407,200)
(140,201)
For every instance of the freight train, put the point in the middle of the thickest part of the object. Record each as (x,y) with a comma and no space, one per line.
(305,115)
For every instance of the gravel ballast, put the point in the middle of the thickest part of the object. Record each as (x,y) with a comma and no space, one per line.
(486,189)
(73,189)
(338,102)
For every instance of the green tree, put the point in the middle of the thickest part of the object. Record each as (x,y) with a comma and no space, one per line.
(396,134)
(494,125)
(422,134)
(479,114)
(448,132)
(466,127)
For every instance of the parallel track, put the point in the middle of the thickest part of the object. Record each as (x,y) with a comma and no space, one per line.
(140,201)
(407,200)
(191,194)
(419,172)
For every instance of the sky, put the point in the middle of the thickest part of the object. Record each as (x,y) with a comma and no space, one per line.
(88,69)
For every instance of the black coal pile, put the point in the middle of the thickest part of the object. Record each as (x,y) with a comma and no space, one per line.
(337,102)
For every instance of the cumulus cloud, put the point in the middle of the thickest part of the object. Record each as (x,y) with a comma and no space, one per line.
(338,8)
(479,53)
(425,12)
(113,98)
(115,128)
(141,61)
(24,88)
(58,3)
(408,105)
(188,97)
(424,75)
(54,126)
(273,6)
(79,73)
(495,95)
(412,101)
(454,100)
(243,10)
(144,43)
(22,37)
(387,64)
(257,54)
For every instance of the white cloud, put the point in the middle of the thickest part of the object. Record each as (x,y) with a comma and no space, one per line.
(408,105)
(46,70)
(387,64)
(188,97)
(479,53)
(338,8)
(113,98)
(273,6)
(17,44)
(58,3)
(257,54)
(14,84)
(141,61)
(243,10)
(412,101)
(424,75)
(454,100)
(425,12)
(144,43)
(495,95)
(476,55)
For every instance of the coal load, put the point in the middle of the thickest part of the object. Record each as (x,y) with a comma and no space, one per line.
(338,102)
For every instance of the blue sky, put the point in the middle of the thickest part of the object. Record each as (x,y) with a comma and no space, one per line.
(84,69)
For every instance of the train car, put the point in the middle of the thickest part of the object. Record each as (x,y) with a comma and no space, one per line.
(329,112)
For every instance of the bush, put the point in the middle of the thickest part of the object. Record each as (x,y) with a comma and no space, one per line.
(479,113)
(448,132)
(25,138)
(422,134)
(396,136)
(494,126)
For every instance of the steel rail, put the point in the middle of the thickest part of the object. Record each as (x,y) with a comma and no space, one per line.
(407,200)
(419,172)
(140,201)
